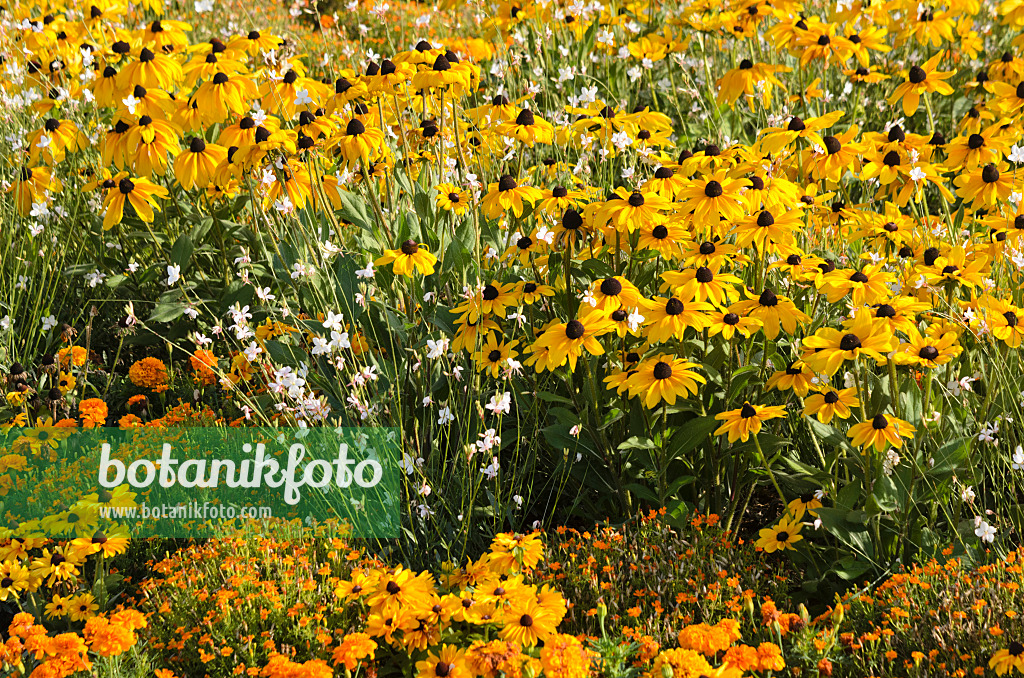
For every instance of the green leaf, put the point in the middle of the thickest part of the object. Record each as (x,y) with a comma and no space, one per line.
(353,209)
(949,457)
(181,252)
(851,567)
(346,286)
(855,536)
(643,492)
(165,312)
(637,443)
(886,494)
(691,434)
(849,496)
(282,354)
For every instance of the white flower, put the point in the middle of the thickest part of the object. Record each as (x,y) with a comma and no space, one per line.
(367,272)
(284,205)
(445,416)
(500,403)
(1016,154)
(518,500)
(967,495)
(491,471)
(320,346)
(891,461)
(302,97)
(203,6)
(1018,458)
(49,322)
(252,351)
(94,279)
(173,274)
(621,139)
(634,320)
(408,464)
(130,103)
(333,322)
(984,531)
(917,174)
(437,349)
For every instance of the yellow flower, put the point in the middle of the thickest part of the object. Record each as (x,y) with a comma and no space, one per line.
(408,258)
(781,537)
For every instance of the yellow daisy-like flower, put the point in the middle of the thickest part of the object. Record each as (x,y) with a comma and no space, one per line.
(408,258)
(881,432)
(780,537)
(740,424)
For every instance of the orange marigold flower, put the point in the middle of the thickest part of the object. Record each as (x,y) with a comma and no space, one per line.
(93,412)
(148,373)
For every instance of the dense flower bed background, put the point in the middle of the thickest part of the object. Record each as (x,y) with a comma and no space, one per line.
(755,267)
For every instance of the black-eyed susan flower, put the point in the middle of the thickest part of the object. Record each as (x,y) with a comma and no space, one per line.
(559,199)
(769,229)
(451,198)
(359,143)
(528,128)
(1004,320)
(866,286)
(507,195)
(829,347)
(703,283)
(494,355)
(567,341)
(775,139)
(138,192)
(1008,659)
(194,167)
(780,537)
(922,80)
(830,402)
(923,351)
(665,318)
(985,186)
(411,256)
(775,311)
(743,422)
(614,292)
(752,81)
(493,298)
(712,199)
(881,432)
(797,377)
(628,211)
(663,378)
(730,324)
(531,292)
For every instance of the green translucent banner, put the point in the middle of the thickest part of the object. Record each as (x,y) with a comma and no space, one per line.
(197,482)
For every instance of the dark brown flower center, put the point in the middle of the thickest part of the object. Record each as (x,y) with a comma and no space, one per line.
(849,342)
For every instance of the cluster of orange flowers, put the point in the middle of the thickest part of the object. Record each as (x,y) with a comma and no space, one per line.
(30,650)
